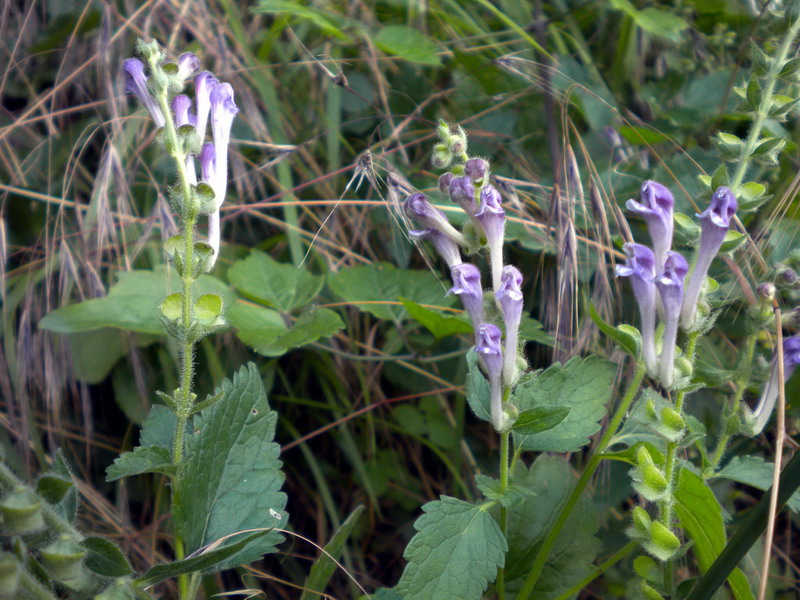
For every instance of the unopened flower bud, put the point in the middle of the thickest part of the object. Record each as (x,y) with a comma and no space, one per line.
(476,168)
(462,192)
(766,291)
(444,182)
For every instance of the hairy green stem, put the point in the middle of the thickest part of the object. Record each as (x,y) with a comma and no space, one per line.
(667,504)
(577,491)
(762,113)
(501,573)
(733,407)
(186,399)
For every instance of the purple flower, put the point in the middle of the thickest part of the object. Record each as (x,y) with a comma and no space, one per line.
(207,170)
(136,83)
(756,421)
(656,209)
(444,182)
(492,218)
(204,84)
(476,168)
(418,207)
(181,108)
(669,282)
(467,286)
(491,356)
(641,268)
(715,221)
(462,192)
(188,63)
(223,110)
(509,296)
(446,247)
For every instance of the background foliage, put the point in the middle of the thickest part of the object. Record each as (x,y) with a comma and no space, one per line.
(361,352)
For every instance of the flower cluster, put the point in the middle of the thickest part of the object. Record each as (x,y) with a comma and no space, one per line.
(157,84)
(663,270)
(468,185)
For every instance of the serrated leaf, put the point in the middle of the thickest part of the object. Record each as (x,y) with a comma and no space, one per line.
(143,459)
(438,324)
(263,329)
(231,477)
(700,516)
(284,287)
(477,389)
(628,342)
(755,471)
(408,43)
(584,384)
(571,558)
(324,567)
(455,553)
(105,558)
(54,488)
(539,419)
(204,562)
(373,288)
(132,304)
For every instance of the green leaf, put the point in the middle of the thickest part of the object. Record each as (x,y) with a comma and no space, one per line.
(700,516)
(54,488)
(755,471)
(324,567)
(281,286)
(231,479)
(438,324)
(493,491)
(455,553)
(658,22)
(408,43)
(584,384)
(67,507)
(325,20)
(207,561)
(159,427)
(373,288)
(477,388)
(208,307)
(263,329)
(642,136)
(172,306)
(94,353)
(105,558)
(531,330)
(132,304)
(571,559)
(539,419)
(629,342)
(143,459)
